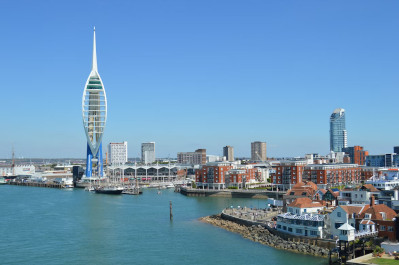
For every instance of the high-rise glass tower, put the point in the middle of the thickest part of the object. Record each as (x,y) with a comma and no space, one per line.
(94,113)
(338,136)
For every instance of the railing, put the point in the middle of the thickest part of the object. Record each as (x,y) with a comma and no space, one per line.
(360,234)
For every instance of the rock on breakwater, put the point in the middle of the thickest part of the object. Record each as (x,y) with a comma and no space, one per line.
(261,235)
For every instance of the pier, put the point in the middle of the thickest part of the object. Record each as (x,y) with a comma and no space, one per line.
(38,184)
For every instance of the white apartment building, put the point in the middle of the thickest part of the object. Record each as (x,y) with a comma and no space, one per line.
(117,153)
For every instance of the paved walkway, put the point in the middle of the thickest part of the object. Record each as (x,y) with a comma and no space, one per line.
(253,215)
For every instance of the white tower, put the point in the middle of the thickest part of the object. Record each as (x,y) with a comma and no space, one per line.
(94,113)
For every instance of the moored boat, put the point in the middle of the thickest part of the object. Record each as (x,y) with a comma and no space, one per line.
(3,181)
(115,190)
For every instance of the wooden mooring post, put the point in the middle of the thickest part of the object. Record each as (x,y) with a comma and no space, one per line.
(170,213)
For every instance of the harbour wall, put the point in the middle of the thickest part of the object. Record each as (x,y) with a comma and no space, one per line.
(255,194)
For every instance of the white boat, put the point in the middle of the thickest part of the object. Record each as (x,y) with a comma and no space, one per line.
(3,181)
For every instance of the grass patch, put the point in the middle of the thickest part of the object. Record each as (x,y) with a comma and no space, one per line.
(382,261)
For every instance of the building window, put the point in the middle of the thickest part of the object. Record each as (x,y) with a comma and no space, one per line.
(382,227)
(390,228)
(337,225)
(367,216)
(339,214)
(289,229)
(299,231)
(313,233)
(284,228)
(278,226)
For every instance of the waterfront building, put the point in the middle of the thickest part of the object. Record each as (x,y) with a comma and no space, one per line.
(302,219)
(396,149)
(220,175)
(338,134)
(94,113)
(327,175)
(17,170)
(117,153)
(357,154)
(212,175)
(148,153)
(195,158)
(258,151)
(344,214)
(385,160)
(384,218)
(288,173)
(228,152)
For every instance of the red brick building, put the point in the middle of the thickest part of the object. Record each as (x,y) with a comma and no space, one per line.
(220,175)
(288,173)
(332,174)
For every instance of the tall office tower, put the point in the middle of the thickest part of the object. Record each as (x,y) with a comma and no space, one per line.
(94,113)
(117,153)
(338,136)
(148,152)
(228,152)
(258,151)
(396,149)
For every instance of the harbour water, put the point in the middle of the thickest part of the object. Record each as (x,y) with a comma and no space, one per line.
(52,226)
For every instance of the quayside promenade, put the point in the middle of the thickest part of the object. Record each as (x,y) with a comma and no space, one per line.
(257,225)
(250,193)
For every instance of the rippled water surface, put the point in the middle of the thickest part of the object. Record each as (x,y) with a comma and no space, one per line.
(51,226)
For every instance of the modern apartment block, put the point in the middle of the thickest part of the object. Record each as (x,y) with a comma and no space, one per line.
(338,134)
(228,152)
(117,153)
(325,175)
(386,160)
(356,154)
(194,158)
(148,152)
(258,151)
(288,173)
(220,175)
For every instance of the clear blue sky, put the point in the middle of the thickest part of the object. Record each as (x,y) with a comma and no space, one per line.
(200,74)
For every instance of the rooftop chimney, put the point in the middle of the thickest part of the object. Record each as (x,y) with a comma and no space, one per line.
(372,201)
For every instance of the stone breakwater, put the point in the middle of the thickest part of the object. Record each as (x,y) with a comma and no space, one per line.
(261,235)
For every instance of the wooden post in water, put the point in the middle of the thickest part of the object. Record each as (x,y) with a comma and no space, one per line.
(170,213)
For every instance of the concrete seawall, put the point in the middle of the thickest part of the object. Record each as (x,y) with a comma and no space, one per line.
(255,194)
(259,233)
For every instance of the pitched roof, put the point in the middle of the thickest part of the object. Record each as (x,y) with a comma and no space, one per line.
(304,202)
(351,209)
(369,187)
(376,211)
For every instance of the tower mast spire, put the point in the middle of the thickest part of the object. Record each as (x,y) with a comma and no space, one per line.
(94,65)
